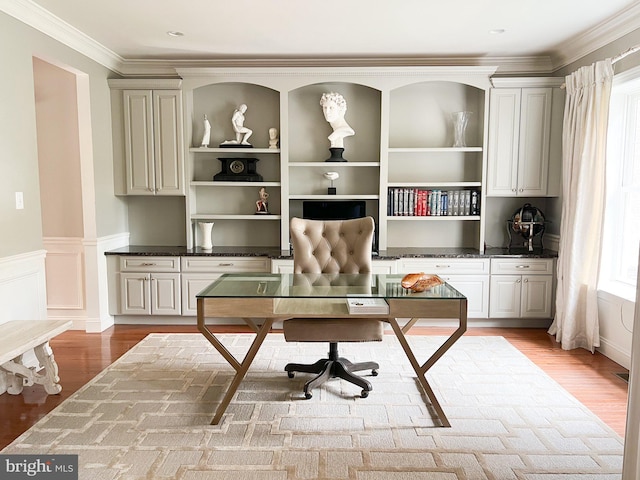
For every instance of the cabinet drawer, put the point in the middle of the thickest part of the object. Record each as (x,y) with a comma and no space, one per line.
(521,266)
(445,266)
(149,264)
(225,264)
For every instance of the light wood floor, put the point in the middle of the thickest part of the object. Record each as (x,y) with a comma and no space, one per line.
(590,378)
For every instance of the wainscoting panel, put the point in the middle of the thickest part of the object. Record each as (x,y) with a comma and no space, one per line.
(23,294)
(65,273)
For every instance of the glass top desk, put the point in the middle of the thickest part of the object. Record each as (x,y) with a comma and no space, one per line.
(274,297)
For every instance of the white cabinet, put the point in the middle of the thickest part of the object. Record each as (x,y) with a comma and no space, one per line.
(521,288)
(199,272)
(153,143)
(470,276)
(149,286)
(519,141)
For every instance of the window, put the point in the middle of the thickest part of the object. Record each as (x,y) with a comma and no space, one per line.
(621,240)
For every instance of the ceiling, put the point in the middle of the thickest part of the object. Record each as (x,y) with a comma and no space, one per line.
(281,29)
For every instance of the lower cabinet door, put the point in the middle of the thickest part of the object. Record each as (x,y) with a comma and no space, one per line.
(505,296)
(165,294)
(192,284)
(134,294)
(476,289)
(537,291)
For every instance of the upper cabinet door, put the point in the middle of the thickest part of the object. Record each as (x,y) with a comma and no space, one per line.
(535,125)
(519,139)
(168,146)
(153,142)
(504,133)
(138,140)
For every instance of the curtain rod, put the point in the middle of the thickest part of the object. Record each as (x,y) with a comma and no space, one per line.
(617,58)
(620,56)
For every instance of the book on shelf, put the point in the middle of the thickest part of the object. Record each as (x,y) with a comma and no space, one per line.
(420,202)
(358,305)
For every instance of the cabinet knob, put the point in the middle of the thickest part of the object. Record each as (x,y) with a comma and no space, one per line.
(518,281)
(526,280)
(521,190)
(523,266)
(513,190)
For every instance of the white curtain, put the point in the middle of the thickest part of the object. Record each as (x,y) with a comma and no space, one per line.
(586,115)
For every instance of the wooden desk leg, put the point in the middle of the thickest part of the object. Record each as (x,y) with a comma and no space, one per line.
(421,370)
(241,368)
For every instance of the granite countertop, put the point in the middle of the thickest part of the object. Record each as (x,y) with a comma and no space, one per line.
(276,253)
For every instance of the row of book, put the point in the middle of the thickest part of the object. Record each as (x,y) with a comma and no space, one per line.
(405,201)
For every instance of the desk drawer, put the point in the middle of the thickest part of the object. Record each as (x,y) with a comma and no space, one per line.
(225,264)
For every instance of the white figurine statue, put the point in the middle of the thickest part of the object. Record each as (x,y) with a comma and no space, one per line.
(242,133)
(206,138)
(334,107)
(273,137)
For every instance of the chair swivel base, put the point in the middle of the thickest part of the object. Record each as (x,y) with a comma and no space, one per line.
(333,367)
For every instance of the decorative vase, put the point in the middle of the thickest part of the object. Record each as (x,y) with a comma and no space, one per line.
(460,121)
(205,234)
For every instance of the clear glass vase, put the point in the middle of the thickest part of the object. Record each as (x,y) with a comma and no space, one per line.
(460,121)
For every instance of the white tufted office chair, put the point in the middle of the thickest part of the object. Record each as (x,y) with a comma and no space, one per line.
(332,246)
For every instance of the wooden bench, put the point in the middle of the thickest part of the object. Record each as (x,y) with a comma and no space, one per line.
(17,337)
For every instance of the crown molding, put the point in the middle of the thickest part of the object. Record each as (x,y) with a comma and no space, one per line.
(505,65)
(42,20)
(597,37)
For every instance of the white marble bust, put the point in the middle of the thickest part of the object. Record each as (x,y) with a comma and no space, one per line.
(334,107)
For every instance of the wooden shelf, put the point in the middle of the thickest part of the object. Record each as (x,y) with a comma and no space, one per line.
(431,218)
(435,150)
(435,184)
(215,216)
(334,164)
(233,150)
(333,197)
(199,183)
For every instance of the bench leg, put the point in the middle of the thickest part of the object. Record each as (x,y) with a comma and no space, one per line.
(18,375)
(14,382)
(50,379)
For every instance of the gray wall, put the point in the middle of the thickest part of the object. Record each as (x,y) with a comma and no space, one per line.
(21,229)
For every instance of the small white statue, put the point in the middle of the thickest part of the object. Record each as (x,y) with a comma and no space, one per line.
(331,176)
(206,138)
(242,133)
(273,137)
(334,107)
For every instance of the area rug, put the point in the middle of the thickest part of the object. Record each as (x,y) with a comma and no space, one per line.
(147,417)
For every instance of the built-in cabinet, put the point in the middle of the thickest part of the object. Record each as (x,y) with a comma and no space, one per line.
(521,288)
(469,276)
(149,286)
(402,118)
(523,140)
(148,136)
(496,288)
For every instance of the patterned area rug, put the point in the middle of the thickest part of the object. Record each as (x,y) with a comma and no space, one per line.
(147,417)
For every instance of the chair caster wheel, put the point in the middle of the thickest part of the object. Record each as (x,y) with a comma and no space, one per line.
(307,395)
(364,394)
(374,373)
(290,374)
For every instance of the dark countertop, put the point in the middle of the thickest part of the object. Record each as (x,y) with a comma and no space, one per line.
(276,253)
